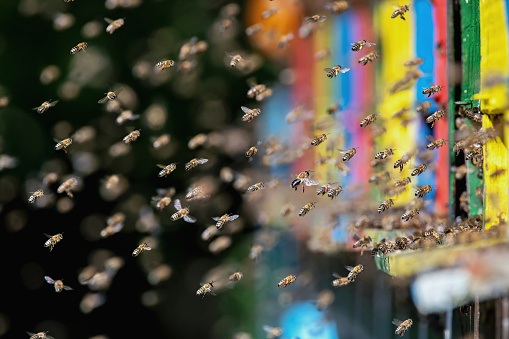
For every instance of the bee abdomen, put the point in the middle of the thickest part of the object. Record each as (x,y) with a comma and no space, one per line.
(296,183)
(176,216)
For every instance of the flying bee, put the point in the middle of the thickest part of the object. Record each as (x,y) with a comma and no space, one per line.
(402,182)
(45,105)
(52,241)
(62,145)
(334,191)
(369,119)
(255,251)
(303,178)
(255,89)
(113,25)
(166,170)
(79,47)
(376,178)
(132,136)
(205,288)
(141,248)
(224,219)
(422,191)
(414,62)
(273,332)
(165,64)
(423,108)
(161,141)
(59,285)
(322,54)
(325,189)
(435,117)
(253,29)
(410,214)
(400,11)
(315,18)
(333,109)
(354,272)
(41,335)
(35,195)
(319,139)
(339,281)
(235,59)
(436,144)
(357,46)
(308,207)
(194,162)
(235,276)
(419,170)
(256,187)
(402,326)
(348,154)
(126,115)
(252,151)
(270,12)
(404,159)
(362,243)
(161,202)
(284,41)
(368,58)
(249,114)
(337,7)
(385,153)
(286,210)
(287,281)
(384,206)
(334,71)
(110,96)
(67,186)
(182,213)
(432,90)
(325,299)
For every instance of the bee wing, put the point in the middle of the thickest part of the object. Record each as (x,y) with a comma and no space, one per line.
(267,328)
(397,322)
(368,44)
(67,288)
(309,19)
(47,235)
(118,90)
(202,161)
(216,218)
(160,166)
(336,275)
(309,182)
(177,204)
(245,109)
(344,70)
(148,248)
(108,20)
(103,100)
(49,280)
(322,18)
(349,268)
(190,219)
(327,69)
(233,217)
(431,138)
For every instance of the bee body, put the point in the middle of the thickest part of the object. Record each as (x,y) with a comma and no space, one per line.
(334,71)
(132,136)
(35,195)
(349,153)
(162,202)
(182,213)
(354,272)
(141,248)
(319,139)
(436,144)
(369,119)
(285,40)
(45,105)
(419,170)
(194,162)
(337,7)
(287,281)
(435,117)
(334,192)
(357,46)
(253,29)
(315,18)
(308,207)
(414,62)
(303,178)
(205,288)
(340,281)
(250,114)
(368,58)
(402,326)
(67,186)
(400,12)
(235,276)
(423,191)
(59,285)
(256,187)
(324,189)
(62,145)
(432,90)
(113,25)
(165,64)
(79,47)
(235,60)
(409,214)
(384,206)
(112,95)
(40,335)
(402,182)
(384,154)
(166,170)
(224,219)
(53,240)
(273,332)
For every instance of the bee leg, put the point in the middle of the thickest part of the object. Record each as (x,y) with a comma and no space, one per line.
(429,94)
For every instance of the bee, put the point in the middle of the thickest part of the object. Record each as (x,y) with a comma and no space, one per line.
(255,251)
(319,139)
(249,114)
(42,335)
(419,170)
(325,189)
(126,115)
(368,58)
(337,7)
(165,64)
(286,209)
(141,248)
(299,113)
(52,241)
(59,285)
(79,47)
(325,299)
(333,109)
(432,90)
(423,108)
(339,281)
(287,281)
(303,178)
(322,54)
(162,202)
(476,150)
(209,232)
(255,89)
(414,62)
(402,326)
(182,213)
(384,206)
(362,243)
(270,12)
(45,105)
(252,151)
(132,136)
(334,71)
(236,58)
(315,18)
(404,159)
(256,187)
(357,46)
(376,178)
(285,40)
(115,225)
(402,182)
(369,119)
(113,25)
(334,191)
(166,170)
(435,117)
(410,214)
(161,141)
(354,272)
(224,219)
(384,154)
(308,207)
(110,96)
(273,332)
(194,162)
(235,276)
(197,140)
(253,29)
(436,144)
(62,145)
(35,195)
(400,11)
(422,191)
(197,193)
(205,288)
(67,186)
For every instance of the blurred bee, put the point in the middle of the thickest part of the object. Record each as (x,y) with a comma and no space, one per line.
(79,47)
(255,251)
(325,189)
(334,191)
(52,241)
(475,150)
(287,281)
(357,46)
(337,7)
(249,114)
(460,171)
(59,285)
(209,232)
(67,186)
(402,326)
(363,243)
(50,179)
(45,105)
(299,113)
(497,173)
(132,136)
(334,71)
(368,58)
(409,214)
(423,108)
(432,90)
(333,109)
(166,170)
(315,18)
(115,225)
(325,299)
(270,12)
(422,191)
(110,96)
(414,62)
(419,170)
(354,272)
(161,141)
(273,332)
(435,117)
(197,193)
(141,248)
(205,288)
(384,206)
(35,195)
(194,162)
(369,119)
(236,58)
(402,182)
(436,144)
(235,276)
(42,335)
(162,202)
(126,115)
(286,209)
(285,40)
(400,11)
(182,213)
(185,66)
(255,89)
(376,178)
(253,29)
(404,159)
(319,139)
(62,145)
(187,48)
(165,64)
(256,187)
(224,219)
(303,178)
(113,25)
(322,54)
(197,140)
(384,154)
(224,25)
(252,151)
(308,207)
